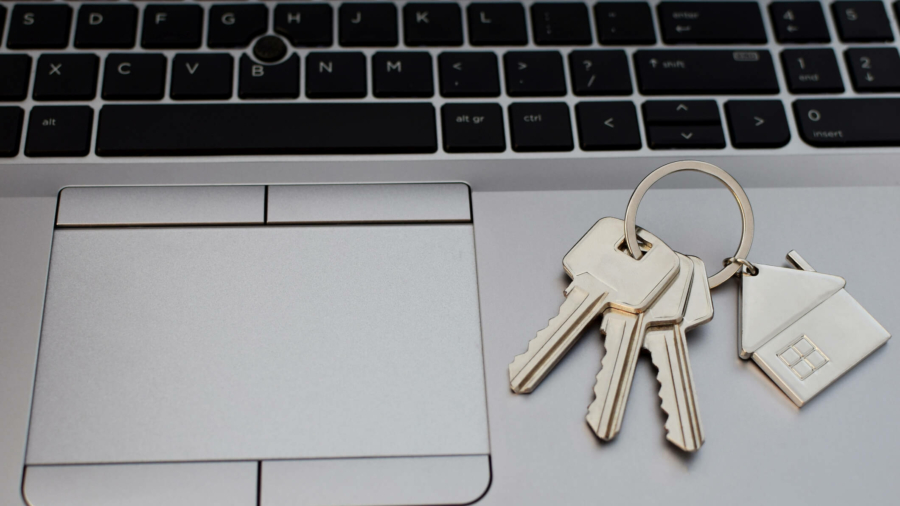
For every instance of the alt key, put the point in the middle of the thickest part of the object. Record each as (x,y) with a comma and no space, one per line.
(473,128)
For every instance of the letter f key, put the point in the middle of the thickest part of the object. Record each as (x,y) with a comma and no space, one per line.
(604,276)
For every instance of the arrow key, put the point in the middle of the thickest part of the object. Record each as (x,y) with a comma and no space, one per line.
(874,69)
(685,137)
(681,112)
(534,74)
(607,126)
(757,123)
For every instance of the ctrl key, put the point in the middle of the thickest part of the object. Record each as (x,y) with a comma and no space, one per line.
(473,128)
(59,131)
(540,126)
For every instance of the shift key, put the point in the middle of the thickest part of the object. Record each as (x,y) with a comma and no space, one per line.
(849,122)
(677,72)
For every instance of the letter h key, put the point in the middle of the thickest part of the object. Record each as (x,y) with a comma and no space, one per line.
(607,280)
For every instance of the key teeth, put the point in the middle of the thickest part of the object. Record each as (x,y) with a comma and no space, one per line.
(671,411)
(595,409)
(520,361)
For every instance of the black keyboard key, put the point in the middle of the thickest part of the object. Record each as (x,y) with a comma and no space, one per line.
(2,19)
(624,23)
(39,26)
(685,137)
(497,24)
(560,23)
(202,76)
(862,21)
(604,126)
(236,25)
(812,71)
(305,25)
(368,24)
(540,126)
(269,81)
(172,26)
(66,77)
(874,69)
(336,75)
(469,74)
(705,72)
(59,131)
(712,22)
(849,122)
(473,128)
(106,26)
(681,112)
(15,70)
(600,72)
(534,74)
(432,24)
(799,22)
(402,74)
(757,124)
(247,129)
(134,76)
(10,130)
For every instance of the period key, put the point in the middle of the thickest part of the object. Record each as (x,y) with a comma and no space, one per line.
(473,128)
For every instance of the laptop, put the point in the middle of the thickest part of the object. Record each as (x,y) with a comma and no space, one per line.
(282,253)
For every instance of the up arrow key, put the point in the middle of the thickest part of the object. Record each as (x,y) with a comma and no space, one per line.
(681,107)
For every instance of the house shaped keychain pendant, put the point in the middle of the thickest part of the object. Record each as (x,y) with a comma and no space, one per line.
(802,328)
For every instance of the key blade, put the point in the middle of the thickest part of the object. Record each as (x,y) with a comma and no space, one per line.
(668,350)
(585,299)
(616,372)
(699,307)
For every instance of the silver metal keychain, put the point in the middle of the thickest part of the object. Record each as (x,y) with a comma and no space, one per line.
(800,326)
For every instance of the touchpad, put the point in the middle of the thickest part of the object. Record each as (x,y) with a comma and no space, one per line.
(320,322)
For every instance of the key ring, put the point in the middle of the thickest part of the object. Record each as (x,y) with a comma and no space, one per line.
(631,239)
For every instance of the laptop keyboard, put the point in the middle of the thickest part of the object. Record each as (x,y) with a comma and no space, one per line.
(269,78)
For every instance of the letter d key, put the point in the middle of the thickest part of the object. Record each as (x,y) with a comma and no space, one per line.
(605,278)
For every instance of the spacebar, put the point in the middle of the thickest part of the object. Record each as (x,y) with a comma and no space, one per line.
(253,129)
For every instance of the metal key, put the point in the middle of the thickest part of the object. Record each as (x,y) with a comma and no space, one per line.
(625,333)
(605,278)
(668,350)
